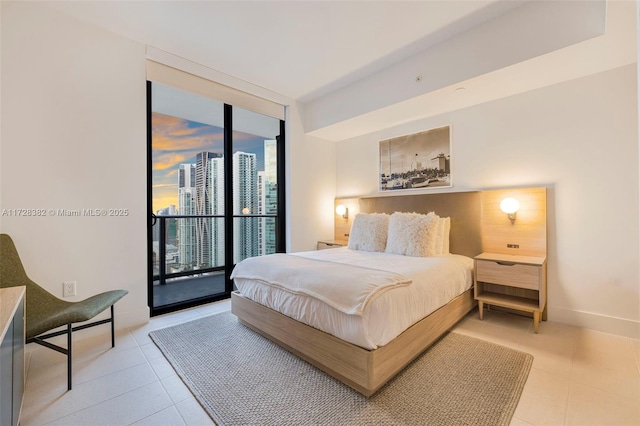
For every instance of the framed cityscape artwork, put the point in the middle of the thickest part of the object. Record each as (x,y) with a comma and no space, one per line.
(418,161)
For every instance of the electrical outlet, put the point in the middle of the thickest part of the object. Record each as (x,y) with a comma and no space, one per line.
(68,288)
(513,246)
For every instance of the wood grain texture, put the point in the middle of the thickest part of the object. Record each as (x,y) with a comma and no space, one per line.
(390,359)
(363,370)
(529,230)
(9,300)
(512,282)
(342,226)
(511,274)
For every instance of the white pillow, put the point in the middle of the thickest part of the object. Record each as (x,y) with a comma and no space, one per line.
(439,236)
(369,232)
(445,235)
(442,236)
(412,234)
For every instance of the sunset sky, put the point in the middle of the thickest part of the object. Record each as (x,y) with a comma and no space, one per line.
(177,141)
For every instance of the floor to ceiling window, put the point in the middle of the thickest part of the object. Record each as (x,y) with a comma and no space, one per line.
(216,193)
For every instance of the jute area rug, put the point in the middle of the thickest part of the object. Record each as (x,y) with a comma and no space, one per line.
(242,378)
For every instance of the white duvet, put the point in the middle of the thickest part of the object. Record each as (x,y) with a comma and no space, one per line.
(434,282)
(321,280)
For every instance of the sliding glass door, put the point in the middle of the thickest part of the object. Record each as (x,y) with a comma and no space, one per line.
(255,187)
(215,194)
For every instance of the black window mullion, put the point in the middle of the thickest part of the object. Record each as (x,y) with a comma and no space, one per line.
(228,196)
(150,221)
(281,222)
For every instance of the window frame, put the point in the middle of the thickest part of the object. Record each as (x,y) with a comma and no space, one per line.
(280,217)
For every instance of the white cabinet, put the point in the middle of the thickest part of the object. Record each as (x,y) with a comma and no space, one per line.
(12,325)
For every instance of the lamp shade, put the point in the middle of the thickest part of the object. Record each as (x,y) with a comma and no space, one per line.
(341,209)
(509,205)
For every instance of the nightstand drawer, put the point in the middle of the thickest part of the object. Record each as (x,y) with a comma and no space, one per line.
(322,245)
(508,273)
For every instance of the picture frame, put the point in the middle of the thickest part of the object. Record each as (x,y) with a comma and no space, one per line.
(417,161)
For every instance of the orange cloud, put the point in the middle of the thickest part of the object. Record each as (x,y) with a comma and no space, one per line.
(168,160)
(173,134)
(160,202)
(164,195)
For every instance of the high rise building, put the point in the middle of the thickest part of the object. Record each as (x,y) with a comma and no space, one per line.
(203,201)
(187,176)
(201,241)
(262,222)
(216,170)
(245,201)
(186,228)
(269,197)
(170,236)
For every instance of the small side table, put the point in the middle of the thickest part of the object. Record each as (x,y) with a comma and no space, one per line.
(515,282)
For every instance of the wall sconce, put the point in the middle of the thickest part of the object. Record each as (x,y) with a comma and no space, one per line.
(341,210)
(510,206)
(246,210)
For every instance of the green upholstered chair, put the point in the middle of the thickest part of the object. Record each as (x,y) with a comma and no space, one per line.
(45,312)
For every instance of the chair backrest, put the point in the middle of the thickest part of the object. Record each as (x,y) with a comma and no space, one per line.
(12,274)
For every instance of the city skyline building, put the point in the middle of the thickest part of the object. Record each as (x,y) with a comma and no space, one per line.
(217,208)
(245,202)
(186,206)
(269,197)
(201,191)
(204,207)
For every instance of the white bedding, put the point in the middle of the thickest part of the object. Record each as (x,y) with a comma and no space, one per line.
(435,281)
(321,280)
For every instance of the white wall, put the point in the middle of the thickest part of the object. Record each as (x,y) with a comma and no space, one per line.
(311,183)
(579,138)
(74,136)
(0,119)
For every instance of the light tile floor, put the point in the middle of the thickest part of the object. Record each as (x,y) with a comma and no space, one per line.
(579,376)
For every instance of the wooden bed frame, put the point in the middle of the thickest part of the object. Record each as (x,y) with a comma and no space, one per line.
(368,370)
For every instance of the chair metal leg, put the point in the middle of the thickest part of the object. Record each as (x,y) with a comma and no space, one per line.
(69,330)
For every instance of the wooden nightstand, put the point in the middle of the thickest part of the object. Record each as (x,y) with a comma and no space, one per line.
(329,244)
(515,282)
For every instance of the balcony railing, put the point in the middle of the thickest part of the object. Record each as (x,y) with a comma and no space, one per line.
(197,247)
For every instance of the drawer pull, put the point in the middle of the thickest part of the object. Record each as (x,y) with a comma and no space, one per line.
(506,263)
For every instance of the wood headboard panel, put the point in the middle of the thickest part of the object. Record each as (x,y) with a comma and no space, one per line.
(529,230)
(464,209)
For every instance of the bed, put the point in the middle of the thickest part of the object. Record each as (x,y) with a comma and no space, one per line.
(362,352)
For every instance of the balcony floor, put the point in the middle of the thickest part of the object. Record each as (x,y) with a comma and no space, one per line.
(184,289)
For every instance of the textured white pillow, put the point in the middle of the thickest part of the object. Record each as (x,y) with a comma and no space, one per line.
(369,232)
(442,238)
(412,234)
(445,235)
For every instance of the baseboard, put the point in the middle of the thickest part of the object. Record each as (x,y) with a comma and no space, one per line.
(132,318)
(608,324)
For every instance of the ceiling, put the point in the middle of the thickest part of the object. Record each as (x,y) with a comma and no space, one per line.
(353,65)
(299,49)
